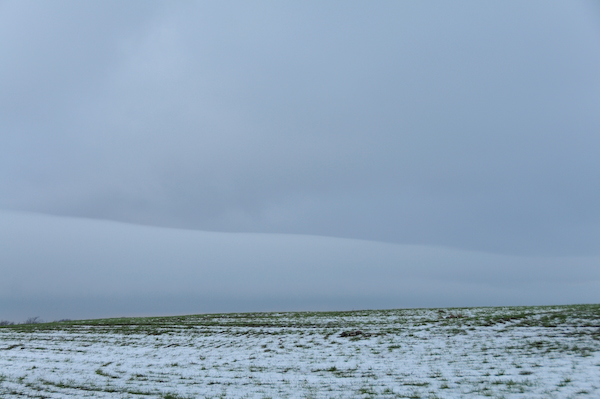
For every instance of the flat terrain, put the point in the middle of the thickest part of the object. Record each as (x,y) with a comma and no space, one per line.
(509,352)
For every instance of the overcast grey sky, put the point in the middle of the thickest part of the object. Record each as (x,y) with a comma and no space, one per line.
(59,267)
(470,129)
(467,124)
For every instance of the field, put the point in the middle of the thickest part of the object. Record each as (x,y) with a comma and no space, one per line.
(508,352)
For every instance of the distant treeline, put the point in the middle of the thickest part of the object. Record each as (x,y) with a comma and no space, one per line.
(31,320)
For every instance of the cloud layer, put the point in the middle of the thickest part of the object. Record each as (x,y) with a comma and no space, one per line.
(58,267)
(469,124)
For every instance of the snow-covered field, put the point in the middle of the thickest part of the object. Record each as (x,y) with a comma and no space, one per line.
(517,352)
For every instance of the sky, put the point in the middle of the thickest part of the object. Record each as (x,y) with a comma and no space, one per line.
(57,267)
(466,125)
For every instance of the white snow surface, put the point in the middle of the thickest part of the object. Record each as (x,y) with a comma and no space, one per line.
(533,352)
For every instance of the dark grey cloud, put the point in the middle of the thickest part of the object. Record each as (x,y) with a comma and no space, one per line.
(60,267)
(472,125)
